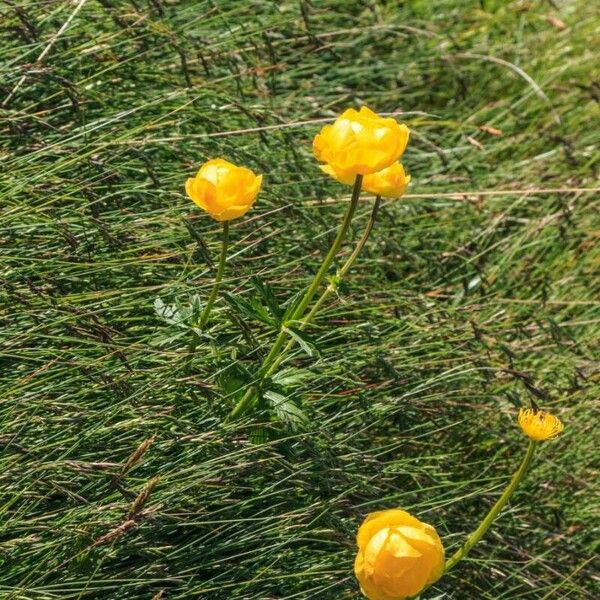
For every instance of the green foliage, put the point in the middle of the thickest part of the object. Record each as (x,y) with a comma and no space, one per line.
(477,291)
(305,342)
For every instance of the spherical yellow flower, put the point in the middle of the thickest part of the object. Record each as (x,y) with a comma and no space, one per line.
(539,425)
(223,190)
(390,182)
(398,555)
(360,142)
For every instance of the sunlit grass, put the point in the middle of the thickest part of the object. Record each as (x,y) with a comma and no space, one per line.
(475,292)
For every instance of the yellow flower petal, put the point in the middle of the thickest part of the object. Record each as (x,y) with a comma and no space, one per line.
(341,176)
(202,192)
(398,555)
(390,182)
(232,212)
(360,142)
(415,534)
(539,425)
(224,190)
(380,519)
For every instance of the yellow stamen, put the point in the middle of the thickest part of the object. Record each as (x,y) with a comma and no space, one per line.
(539,425)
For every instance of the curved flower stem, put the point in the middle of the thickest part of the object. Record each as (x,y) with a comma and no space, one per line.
(332,287)
(485,524)
(246,400)
(218,278)
(213,294)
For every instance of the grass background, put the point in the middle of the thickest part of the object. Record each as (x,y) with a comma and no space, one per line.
(476,293)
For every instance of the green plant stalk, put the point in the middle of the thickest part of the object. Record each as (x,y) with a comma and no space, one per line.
(485,524)
(213,294)
(247,398)
(332,287)
(218,278)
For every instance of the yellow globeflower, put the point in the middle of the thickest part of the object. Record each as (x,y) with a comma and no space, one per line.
(390,182)
(398,555)
(360,142)
(539,425)
(223,190)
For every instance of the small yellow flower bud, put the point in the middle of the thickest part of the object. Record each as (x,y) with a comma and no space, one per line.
(224,190)
(360,142)
(539,425)
(390,182)
(398,555)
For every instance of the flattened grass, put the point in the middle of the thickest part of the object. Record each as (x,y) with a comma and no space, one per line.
(476,293)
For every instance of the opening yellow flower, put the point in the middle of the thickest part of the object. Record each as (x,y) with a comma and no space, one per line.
(539,425)
(390,182)
(224,190)
(398,555)
(360,142)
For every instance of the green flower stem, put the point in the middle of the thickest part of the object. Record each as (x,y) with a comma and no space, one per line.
(332,287)
(218,278)
(485,524)
(213,294)
(246,400)
(316,282)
